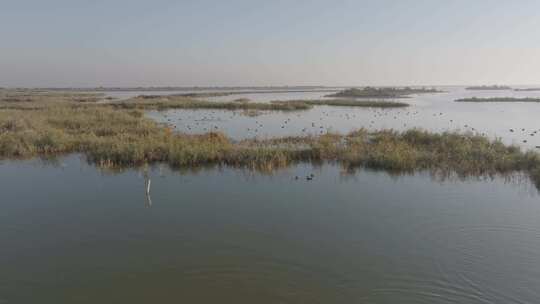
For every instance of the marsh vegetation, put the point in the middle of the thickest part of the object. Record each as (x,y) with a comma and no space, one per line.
(181,102)
(259,91)
(384,92)
(200,89)
(118,135)
(40,98)
(489,88)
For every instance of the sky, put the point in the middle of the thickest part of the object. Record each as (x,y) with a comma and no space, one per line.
(76,43)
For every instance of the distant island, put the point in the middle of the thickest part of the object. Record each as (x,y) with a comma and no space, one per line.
(499,99)
(489,88)
(390,92)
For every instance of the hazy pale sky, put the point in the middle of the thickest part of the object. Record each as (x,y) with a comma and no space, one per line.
(272,42)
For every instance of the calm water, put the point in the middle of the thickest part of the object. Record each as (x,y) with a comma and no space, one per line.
(70,234)
(434,112)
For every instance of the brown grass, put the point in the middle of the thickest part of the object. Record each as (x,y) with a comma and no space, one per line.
(112,136)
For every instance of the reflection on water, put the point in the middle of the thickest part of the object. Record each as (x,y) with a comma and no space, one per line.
(147,183)
(81,237)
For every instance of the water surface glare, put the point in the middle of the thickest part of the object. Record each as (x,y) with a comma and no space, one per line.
(70,234)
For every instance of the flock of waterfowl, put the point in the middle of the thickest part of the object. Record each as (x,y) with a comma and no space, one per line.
(325,119)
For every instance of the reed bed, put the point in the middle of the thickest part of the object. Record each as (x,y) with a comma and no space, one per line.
(384,92)
(176,102)
(489,88)
(116,137)
(180,102)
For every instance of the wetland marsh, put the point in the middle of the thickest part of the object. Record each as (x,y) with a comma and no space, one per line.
(324,202)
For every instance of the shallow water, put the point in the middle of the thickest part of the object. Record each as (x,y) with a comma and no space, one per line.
(434,112)
(70,234)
